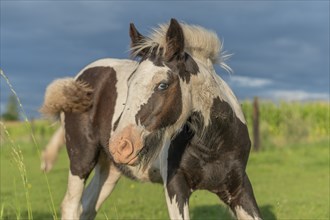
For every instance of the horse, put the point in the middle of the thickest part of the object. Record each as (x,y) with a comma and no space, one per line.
(166,117)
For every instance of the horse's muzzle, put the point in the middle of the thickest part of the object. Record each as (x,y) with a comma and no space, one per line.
(125,145)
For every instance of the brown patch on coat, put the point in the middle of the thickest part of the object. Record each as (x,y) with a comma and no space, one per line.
(87,133)
(103,80)
(163,107)
(185,66)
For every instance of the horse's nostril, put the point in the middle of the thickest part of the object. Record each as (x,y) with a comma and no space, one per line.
(125,147)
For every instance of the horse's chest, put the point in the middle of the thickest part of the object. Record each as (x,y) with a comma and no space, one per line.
(202,171)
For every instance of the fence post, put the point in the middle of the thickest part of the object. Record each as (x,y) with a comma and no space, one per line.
(255,119)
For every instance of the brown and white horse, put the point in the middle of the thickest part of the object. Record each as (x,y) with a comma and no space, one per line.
(167,118)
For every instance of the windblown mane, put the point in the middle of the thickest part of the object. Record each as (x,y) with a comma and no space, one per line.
(200,43)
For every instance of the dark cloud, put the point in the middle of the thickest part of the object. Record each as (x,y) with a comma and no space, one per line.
(280,46)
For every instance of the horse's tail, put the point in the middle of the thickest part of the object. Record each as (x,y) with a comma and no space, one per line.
(67,95)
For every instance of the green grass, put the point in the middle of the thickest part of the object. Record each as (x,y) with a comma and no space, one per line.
(290,182)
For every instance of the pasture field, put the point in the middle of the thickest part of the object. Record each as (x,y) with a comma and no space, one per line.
(290,175)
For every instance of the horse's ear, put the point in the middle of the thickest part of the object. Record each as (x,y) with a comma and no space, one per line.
(136,40)
(174,41)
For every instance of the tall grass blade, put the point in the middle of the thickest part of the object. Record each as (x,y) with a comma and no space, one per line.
(2,211)
(29,127)
(19,161)
(105,215)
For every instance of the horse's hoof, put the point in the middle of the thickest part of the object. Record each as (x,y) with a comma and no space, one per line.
(46,162)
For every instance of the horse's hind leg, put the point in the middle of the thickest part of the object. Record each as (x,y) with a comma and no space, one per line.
(50,153)
(83,152)
(242,201)
(104,180)
(71,207)
(80,167)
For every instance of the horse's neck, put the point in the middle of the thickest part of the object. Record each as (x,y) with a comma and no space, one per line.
(224,134)
(217,119)
(207,86)
(226,94)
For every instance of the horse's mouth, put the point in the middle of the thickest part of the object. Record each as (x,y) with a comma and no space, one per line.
(134,161)
(137,158)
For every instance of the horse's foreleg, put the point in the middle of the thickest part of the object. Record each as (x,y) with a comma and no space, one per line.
(104,180)
(177,193)
(242,202)
(245,206)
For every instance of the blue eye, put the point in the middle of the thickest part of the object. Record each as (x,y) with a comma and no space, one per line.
(162,86)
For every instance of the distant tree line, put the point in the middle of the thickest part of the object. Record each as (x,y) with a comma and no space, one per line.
(12,110)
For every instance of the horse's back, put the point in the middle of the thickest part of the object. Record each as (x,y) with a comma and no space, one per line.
(119,65)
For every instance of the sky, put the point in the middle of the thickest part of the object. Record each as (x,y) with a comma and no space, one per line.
(280,49)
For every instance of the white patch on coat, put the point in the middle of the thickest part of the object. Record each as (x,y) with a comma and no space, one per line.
(123,72)
(141,88)
(173,207)
(186,210)
(241,214)
(71,205)
(163,160)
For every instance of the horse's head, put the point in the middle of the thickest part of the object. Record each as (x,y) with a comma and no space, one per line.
(158,101)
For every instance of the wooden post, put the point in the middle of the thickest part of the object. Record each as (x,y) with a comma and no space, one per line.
(255,118)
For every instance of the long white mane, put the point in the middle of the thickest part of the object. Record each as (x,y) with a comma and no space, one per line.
(200,43)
